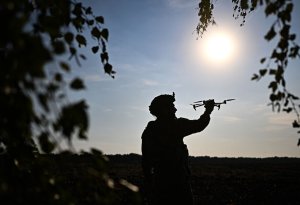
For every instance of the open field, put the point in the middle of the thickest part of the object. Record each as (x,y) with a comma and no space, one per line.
(83,178)
(228,180)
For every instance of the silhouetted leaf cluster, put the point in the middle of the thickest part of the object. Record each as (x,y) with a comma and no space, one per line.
(205,16)
(286,49)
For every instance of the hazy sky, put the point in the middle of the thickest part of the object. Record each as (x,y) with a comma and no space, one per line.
(153,47)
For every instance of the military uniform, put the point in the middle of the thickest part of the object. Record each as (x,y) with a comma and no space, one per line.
(165,159)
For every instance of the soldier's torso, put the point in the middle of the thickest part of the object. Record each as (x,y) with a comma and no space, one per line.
(167,150)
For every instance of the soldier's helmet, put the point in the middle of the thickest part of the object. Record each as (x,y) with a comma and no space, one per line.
(160,102)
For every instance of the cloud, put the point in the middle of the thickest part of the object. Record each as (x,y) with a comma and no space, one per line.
(274,128)
(150,82)
(281,119)
(107,110)
(279,122)
(180,3)
(232,119)
(138,108)
(94,78)
(261,108)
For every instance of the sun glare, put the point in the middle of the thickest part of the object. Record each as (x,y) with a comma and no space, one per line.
(217,48)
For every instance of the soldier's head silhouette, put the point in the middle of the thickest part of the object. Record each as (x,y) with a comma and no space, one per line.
(163,106)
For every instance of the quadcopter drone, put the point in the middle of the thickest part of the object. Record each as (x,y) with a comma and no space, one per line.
(203,102)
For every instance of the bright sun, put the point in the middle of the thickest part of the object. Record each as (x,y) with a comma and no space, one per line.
(217,48)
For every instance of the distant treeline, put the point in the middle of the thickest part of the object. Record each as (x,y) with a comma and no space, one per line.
(133,158)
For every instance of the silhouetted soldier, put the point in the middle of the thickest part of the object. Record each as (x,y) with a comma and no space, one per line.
(165,156)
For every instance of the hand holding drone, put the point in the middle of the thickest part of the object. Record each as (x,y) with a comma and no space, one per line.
(204,102)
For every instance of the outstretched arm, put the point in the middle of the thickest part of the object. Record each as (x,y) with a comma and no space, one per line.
(188,127)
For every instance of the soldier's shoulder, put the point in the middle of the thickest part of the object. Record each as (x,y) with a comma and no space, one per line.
(148,129)
(151,124)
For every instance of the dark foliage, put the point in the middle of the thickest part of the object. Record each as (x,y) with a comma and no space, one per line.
(36,36)
(35,39)
(62,179)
